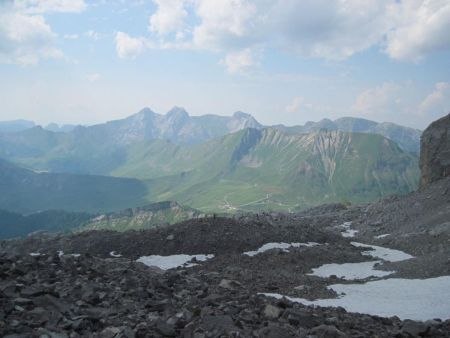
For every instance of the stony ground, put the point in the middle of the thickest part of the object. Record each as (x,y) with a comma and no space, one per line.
(96,295)
(52,296)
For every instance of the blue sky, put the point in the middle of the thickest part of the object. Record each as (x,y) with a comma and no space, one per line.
(283,61)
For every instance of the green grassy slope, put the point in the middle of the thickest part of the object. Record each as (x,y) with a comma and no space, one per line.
(248,170)
(143,217)
(268,169)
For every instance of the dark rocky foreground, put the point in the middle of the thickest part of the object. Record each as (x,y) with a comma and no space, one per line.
(94,294)
(52,296)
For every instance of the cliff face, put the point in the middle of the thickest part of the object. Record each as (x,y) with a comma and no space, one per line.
(435,151)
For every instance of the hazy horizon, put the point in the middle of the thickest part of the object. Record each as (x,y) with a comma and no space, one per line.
(81,123)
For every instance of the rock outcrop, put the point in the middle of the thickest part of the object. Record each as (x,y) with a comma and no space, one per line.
(435,151)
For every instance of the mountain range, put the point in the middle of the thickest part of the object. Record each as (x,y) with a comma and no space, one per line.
(407,138)
(20,125)
(268,169)
(177,126)
(248,170)
(210,163)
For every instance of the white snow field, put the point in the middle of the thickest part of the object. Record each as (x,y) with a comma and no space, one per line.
(281,245)
(416,299)
(350,271)
(173,261)
(386,254)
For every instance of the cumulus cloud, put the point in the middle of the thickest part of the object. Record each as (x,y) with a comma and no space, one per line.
(128,47)
(318,28)
(25,36)
(25,39)
(226,23)
(329,29)
(421,28)
(240,62)
(406,30)
(168,18)
(438,102)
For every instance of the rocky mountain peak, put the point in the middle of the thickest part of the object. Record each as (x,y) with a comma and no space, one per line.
(177,116)
(177,112)
(143,114)
(241,120)
(435,151)
(241,115)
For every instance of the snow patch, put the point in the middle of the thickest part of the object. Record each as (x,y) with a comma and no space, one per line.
(350,271)
(347,231)
(416,299)
(382,236)
(173,261)
(114,254)
(35,254)
(61,253)
(281,245)
(386,254)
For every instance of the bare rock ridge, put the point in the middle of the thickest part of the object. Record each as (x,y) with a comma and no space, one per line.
(435,152)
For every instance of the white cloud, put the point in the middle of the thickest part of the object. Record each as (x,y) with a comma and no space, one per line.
(240,62)
(71,36)
(93,77)
(299,104)
(226,23)
(329,29)
(318,28)
(25,39)
(422,27)
(381,102)
(438,102)
(93,34)
(128,47)
(168,18)
(25,36)
(47,6)
(406,30)
(403,103)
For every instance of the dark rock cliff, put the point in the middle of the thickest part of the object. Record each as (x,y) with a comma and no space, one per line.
(435,151)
